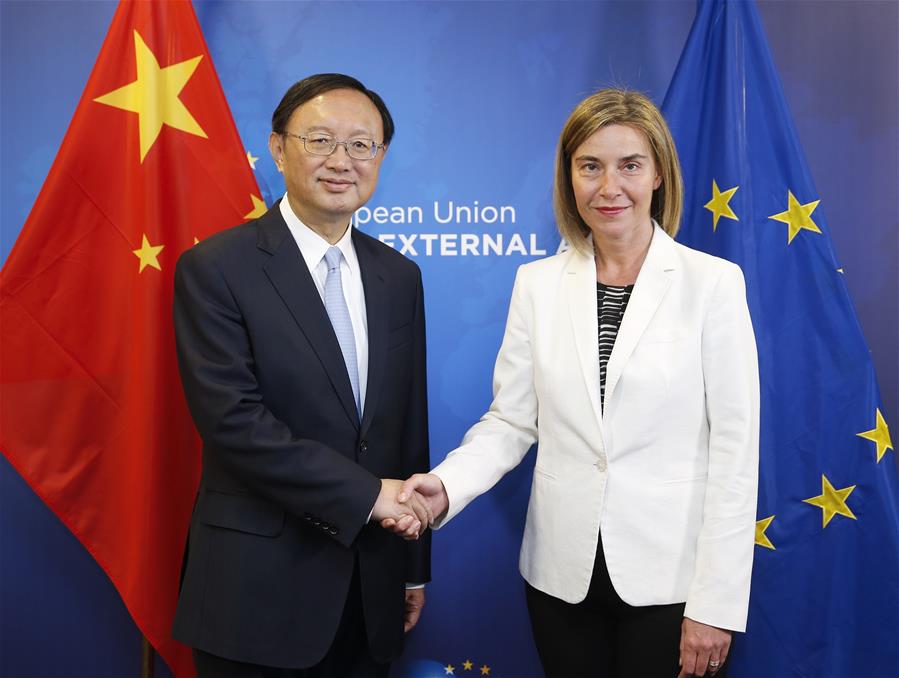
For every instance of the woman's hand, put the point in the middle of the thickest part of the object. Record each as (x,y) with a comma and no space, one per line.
(703,648)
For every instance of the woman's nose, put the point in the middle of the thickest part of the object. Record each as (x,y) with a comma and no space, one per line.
(609,186)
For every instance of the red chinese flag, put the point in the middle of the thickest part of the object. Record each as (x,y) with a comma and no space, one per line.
(93,416)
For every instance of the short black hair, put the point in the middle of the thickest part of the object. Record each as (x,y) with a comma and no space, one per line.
(311,87)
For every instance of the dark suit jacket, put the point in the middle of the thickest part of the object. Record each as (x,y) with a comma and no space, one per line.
(289,474)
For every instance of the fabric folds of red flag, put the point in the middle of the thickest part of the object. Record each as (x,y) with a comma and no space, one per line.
(93,415)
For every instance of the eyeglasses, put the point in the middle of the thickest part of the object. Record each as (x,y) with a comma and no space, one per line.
(358,148)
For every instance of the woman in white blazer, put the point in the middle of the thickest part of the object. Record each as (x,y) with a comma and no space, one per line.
(631,360)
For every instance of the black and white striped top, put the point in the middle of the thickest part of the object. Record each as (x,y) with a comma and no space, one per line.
(611,301)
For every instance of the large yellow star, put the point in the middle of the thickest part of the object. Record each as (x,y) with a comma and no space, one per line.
(258,210)
(154,96)
(252,160)
(832,501)
(719,205)
(797,216)
(148,255)
(761,539)
(879,435)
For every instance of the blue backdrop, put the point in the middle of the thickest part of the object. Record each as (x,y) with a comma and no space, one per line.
(479,92)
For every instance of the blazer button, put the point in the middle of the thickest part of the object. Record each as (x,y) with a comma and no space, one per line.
(307,516)
(316,522)
(325,526)
(334,531)
(363,446)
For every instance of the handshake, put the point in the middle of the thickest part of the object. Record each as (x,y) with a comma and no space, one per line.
(409,508)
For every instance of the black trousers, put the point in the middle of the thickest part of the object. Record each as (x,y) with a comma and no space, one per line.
(348,656)
(603,636)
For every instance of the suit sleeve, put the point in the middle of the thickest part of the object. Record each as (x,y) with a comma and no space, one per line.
(498,442)
(719,591)
(416,455)
(216,363)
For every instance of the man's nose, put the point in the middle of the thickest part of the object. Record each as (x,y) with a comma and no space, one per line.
(340,157)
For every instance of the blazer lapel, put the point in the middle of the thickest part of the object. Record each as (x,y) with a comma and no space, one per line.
(649,290)
(374,282)
(580,293)
(288,273)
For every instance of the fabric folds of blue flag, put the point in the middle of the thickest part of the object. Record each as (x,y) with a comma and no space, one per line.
(825,588)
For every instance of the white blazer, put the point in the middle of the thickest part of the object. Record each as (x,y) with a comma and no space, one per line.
(668,471)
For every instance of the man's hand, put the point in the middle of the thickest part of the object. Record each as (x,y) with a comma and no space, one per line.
(425,488)
(408,518)
(703,648)
(415,601)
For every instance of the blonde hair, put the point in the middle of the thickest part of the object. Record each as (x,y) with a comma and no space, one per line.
(615,106)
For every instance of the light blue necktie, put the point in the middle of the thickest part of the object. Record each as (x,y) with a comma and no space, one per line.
(335,305)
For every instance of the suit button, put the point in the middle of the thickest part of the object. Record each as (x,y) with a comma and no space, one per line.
(601,464)
(325,526)
(316,522)
(334,531)
(307,516)
(363,446)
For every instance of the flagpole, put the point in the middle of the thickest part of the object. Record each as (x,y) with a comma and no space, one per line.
(147,658)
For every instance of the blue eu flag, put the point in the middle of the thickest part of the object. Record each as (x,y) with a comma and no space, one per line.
(825,587)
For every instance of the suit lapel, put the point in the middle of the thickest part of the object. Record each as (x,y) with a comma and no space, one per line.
(374,282)
(649,290)
(580,294)
(288,273)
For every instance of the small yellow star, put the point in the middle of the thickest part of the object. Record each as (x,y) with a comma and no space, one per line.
(832,501)
(258,210)
(797,216)
(485,670)
(719,205)
(761,539)
(449,668)
(879,435)
(467,665)
(252,160)
(840,270)
(148,255)
(154,96)
(196,240)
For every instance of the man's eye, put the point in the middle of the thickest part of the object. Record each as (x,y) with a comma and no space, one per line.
(319,141)
(361,144)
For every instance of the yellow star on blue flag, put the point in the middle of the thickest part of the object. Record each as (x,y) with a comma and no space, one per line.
(879,435)
(797,217)
(719,205)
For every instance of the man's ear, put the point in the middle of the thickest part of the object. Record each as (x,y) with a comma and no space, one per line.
(276,148)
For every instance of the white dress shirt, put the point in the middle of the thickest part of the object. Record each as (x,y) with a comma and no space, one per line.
(313,247)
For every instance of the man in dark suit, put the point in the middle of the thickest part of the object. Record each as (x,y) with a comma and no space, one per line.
(301,344)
